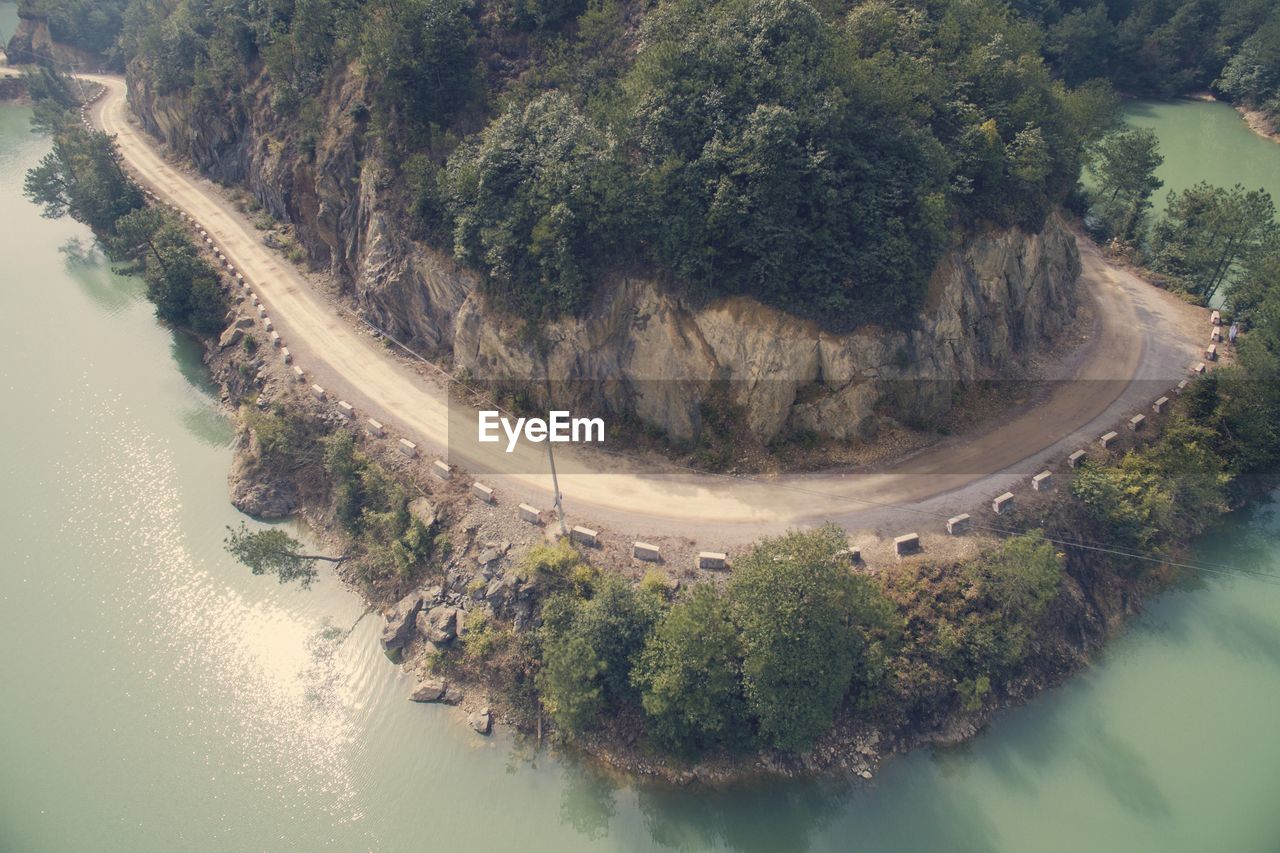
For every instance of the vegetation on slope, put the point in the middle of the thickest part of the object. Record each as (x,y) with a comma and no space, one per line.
(819,157)
(82,178)
(811,158)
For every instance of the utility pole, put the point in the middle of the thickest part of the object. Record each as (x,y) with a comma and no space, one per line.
(555,483)
(551,456)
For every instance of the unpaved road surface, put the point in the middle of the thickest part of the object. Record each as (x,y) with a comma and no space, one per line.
(1142,342)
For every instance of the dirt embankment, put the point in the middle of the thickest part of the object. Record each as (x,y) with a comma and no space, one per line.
(1261,123)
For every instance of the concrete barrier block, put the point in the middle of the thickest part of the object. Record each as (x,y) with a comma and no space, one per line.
(286,355)
(1002,502)
(1216,318)
(854,554)
(1211,352)
(408,448)
(441,469)
(481,492)
(374,428)
(1108,439)
(347,410)
(262,309)
(1136,422)
(275,340)
(531,514)
(1042,482)
(297,372)
(585,536)
(645,551)
(1215,334)
(1182,386)
(317,392)
(1198,369)
(711,560)
(1159,405)
(958,524)
(908,543)
(1074,460)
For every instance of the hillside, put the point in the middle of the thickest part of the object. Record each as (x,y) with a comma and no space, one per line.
(586,189)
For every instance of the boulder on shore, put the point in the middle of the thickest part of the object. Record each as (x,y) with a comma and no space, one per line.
(400,622)
(428,690)
(232,336)
(439,624)
(481,721)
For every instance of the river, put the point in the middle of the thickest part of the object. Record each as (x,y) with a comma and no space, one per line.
(157,697)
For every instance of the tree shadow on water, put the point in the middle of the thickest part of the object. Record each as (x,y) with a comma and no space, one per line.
(768,816)
(588,800)
(1023,758)
(88,268)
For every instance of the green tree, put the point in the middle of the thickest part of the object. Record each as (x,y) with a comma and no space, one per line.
(613,622)
(535,204)
(82,178)
(183,286)
(779,169)
(418,55)
(810,630)
(1080,44)
(569,682)
(689,675)
(1208,232)
(1124,164)
(274,552)
(1252,76)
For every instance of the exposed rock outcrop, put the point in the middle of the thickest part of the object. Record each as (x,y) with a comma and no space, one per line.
(32,42)
(640,349)
(481,721)
(438,625)
(428,690)
(258,494)
(398,629)
(991,303)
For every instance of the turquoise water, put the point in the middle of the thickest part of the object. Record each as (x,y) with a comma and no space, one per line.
(157,697)
(8,22)
(1207,142)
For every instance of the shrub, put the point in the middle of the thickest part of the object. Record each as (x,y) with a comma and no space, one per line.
(689,676)
(810,628)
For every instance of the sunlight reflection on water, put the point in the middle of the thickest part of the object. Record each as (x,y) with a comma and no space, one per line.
(277,682)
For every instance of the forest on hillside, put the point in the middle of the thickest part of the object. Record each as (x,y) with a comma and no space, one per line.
(819,157)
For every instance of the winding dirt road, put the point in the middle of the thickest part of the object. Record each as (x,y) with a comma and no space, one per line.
(1142,343)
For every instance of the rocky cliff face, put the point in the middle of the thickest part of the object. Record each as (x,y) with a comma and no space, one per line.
(640,349)
(992,303)
(31,42)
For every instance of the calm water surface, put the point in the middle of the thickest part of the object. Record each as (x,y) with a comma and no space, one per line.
(157,697)
(1207,142)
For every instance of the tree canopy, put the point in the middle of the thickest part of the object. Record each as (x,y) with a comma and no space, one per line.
(274,552)
(811,630)
(1124,164)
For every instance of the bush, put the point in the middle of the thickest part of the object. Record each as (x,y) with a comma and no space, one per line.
(689,676)
(810,630)
(588,647)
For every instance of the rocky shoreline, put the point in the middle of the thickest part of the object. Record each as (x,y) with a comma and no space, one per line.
(1260,123)
(479,580)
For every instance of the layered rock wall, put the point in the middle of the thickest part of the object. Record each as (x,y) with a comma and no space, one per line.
(641,349)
